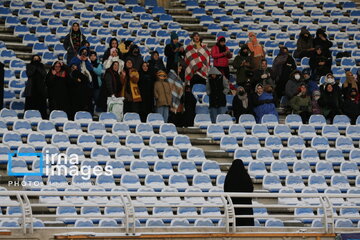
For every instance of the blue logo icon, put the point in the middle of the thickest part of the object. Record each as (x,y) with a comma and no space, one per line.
(12,164)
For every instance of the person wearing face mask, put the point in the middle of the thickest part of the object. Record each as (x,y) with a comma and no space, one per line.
(263,101)
(352,105)
(73,42)
(284,64)
(330,103)
(135,56)
(292,86)
(350,83)
(301,104)
(241,104)
(35,88)
(304,45)
(114,57)
(320,62)
(256,50)
(315,108)
(242,65)
(330,79)
(264,75)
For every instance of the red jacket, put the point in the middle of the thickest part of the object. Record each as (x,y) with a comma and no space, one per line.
(220,59)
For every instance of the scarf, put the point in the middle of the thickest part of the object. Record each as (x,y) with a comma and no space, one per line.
(350,81)
(244,99)
(197,61)
(76,39)
(255,47)
(177,89)
(85,71)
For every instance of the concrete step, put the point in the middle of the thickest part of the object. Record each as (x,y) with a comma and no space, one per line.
(10,38)
(18,47)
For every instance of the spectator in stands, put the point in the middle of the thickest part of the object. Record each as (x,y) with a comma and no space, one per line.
(124,48)
(242,65)
(163,95)
(113,44)
(146,87)
(352,105)
(111,86)
(156,63)
(81,90)
(197,59)
(98,69)
(312,85)
(114,57)
(217,87)
(330,102)
(130,89)
(174,51)
(330,79)
(135,56)
(320,62)
(293,85)
(83,63)
(58,85)
(263,75)
(237,180)
(263,102)
(304,45)
(35,90)
(176,82)
(284,64)
(190,106)
(321,40)
(350,83)
(315,108)
(221,55)
(256,50)
(241,104)
(73,41)
(301,104)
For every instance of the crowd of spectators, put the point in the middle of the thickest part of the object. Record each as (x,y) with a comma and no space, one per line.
(85,82)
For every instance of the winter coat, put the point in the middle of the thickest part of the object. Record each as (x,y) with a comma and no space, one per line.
(35,85)
(325,44)
(352,109)
(220,58)
(264,104)
(303,44)
(170,55)
(217,89)
(58,92)
(162,93)
(69,46)
(291,87)
(300,104)
(239,109)
(330,102)
(257,79)
(110,86)
(314,61)
(242,72)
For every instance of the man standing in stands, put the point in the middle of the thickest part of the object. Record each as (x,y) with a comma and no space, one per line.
(197,59)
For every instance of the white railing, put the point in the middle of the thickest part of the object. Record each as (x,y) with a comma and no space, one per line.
(227,216)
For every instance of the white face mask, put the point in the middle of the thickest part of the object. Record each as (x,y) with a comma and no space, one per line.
(297,76)
(330,80)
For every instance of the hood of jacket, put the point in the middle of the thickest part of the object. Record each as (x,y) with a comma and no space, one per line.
(214,71)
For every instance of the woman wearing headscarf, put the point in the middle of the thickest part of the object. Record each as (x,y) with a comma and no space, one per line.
(330,103)
(221,55)
(135,56)
(58,85)
(263,101)
(162,94)
(174,51)
(146,87)
(130,89)
(257,51)
(301,104)
(111,86)
(304,45)
(114,57)
(241,104)
(320,62)
(237,180)
(350,83)
(352,105)
(322,40)
(35,89)
(197,60)
(176,82)
(98,72)
(242,65)
(73,42)
(155,63)
(124,48)
(113,44)
(284,64)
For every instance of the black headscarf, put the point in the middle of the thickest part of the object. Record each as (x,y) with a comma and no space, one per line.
(95,63)
(238,179)
(221,48)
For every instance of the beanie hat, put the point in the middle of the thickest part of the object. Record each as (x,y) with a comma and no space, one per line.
(174,35)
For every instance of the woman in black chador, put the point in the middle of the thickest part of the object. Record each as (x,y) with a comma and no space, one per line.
(238,180)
